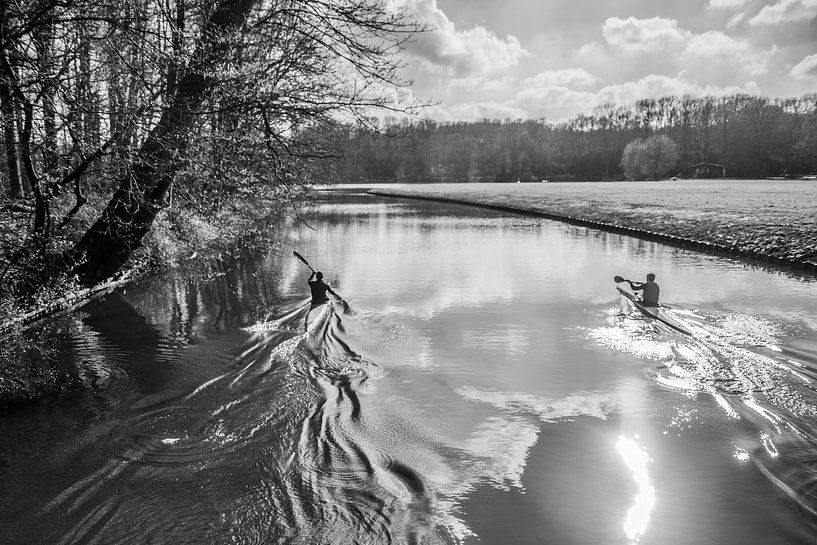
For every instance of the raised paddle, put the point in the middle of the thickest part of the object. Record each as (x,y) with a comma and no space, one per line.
(305,262)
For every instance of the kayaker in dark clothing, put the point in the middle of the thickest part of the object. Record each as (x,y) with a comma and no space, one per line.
(319,289)
(649,289)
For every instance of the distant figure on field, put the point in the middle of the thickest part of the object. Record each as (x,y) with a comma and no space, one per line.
(319,288)
(649,291)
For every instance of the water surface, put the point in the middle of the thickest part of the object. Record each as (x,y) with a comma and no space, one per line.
(488,386)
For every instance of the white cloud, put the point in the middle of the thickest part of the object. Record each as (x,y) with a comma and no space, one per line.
(555,103)
(461,52)
(652,86)
(476,111)
(805,69)
(463,87)
(727,4)
(664,47)
(658,86)
(559,103)
(643,35)
(568,77)
(671,48)
(716,52)
(590,50)
(606,56)
(649,86)
(786,11)
(735,20)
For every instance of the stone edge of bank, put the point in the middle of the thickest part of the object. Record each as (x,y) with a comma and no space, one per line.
(674,240)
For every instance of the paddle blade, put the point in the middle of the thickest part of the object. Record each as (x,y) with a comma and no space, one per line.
(618,279)
(305,262)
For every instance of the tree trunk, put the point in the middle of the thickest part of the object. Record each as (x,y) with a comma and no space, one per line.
(15,189)
(44,44)
(113,238)
(9,117)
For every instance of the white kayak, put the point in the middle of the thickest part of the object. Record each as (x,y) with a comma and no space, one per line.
(659,313)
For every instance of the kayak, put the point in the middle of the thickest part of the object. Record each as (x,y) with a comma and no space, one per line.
(659,313)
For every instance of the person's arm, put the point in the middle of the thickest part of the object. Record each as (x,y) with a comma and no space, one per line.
(635,286)
(311,276)
(329,289)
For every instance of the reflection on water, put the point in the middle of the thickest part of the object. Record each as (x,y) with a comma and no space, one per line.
(488,386)
(636,460)
(739,361)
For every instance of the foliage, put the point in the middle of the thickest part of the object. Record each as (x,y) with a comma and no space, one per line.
(652,157)
(119,112)
(754,137)
(32,368)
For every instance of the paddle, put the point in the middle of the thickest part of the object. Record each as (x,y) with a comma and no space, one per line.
(618,279)
(305,262)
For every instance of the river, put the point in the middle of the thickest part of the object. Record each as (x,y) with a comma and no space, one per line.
(486,385)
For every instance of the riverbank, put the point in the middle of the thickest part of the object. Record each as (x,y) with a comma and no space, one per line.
(179,240)
(773,221)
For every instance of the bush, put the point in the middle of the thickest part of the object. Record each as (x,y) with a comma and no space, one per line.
(653,157)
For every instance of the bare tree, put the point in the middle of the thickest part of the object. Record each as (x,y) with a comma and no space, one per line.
(221,99)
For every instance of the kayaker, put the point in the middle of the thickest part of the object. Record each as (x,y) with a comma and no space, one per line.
(649,289)
(319,288)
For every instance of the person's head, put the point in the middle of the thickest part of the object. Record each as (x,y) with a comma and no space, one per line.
(319,275)
(651,277)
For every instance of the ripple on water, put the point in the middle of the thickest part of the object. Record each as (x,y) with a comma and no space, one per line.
(741,363)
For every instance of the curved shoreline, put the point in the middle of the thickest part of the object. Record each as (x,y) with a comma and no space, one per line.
(657,236)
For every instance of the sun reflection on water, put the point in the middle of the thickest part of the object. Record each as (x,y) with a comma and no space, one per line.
(636,459)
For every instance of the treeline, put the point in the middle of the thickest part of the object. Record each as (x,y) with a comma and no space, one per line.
(748,136)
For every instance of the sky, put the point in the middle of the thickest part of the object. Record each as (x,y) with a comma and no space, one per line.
(554,59)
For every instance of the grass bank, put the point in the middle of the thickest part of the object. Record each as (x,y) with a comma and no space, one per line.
(767,220)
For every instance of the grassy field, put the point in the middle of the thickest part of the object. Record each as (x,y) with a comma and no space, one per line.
(774,218)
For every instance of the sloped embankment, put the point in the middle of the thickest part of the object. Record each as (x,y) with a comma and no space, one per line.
(771,221)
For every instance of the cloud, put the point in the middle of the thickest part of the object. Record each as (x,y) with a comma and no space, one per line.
(655,86)
(569,77)
(806,69)
(560,104)
(652,85)
(590,50)
(712,53)
(571,64)
(489,86)
(460,52)
(716,53)
(786,11)
(556,103)
(662,46)
(727,4)
(476,111)
(643,35)
(735,20)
